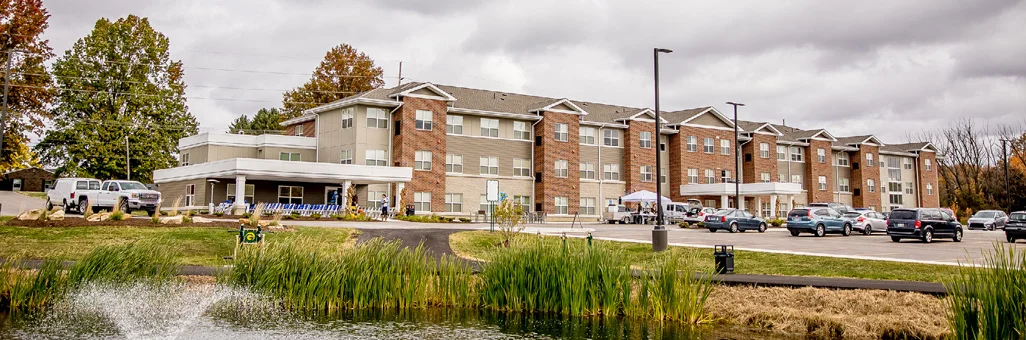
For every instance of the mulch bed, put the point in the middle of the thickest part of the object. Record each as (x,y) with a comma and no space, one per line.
(71,222)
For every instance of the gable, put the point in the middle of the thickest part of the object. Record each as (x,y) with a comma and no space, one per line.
(562,106)
(709,119)
(766,129)
(425,92)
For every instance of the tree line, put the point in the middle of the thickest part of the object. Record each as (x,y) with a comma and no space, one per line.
(118,90)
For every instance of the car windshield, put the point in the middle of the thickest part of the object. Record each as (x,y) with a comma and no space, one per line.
(903,215)
(1018,216)
(722,212)
(799,212)
(985,214)
(132,186)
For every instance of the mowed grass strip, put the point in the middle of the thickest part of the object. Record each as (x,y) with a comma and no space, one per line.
(481,245)
(190,245)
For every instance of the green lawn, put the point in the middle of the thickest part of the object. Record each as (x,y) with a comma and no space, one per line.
(481,244)
(193,245)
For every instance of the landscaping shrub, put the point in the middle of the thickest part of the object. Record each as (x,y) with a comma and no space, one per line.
(464,220)
(315,216)
(684,224)
(989,302)
(219,214)
(776,222)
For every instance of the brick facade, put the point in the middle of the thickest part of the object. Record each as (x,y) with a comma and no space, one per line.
(928,176)
(32,179)
(309,129)
(752,162)
(814,168)
(861,172)
(635,156)
(409,140)
(547,153)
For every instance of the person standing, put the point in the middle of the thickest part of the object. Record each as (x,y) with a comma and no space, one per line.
(384,207)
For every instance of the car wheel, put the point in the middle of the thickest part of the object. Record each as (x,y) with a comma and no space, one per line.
(49,206)
(895,239)
(820,230)
(712,230)
(958,235)
(123,205)
(868,230)
(83,205)
(990,228)
(623,221)
(151,212)
(67,208)
(847,230)
(794,233)
(733,227)
(762,227)
(927,236)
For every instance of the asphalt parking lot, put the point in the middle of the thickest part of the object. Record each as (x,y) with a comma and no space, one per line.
(876,246)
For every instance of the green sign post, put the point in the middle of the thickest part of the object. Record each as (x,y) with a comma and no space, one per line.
(248,236)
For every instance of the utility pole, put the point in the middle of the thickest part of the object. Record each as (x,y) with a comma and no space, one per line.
(737,161)
(128,160)
(1004,157)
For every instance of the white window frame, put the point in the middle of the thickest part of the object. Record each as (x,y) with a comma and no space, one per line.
(190,194)
(709,145)
(248,195)
(562,168)
(489,166)
(562,205)
(781,153)
(646,173)
(928,164)
(764,150)
(869,159)
(821,155)
(523,201)
(693,176)
(611,172)
(453,203)
(422,201)
(822,183)
(725,146)
(909,190)
(797,154)
(520,130)
(587,170)
(645,140)
(843,160)
(907,163)
(422,160)
(290,156)
(710,176)
(929,189)
(376,157)
(797,179)
(765,177)
(586,135)
(725,176)
(611,137)
(454,164)
(843,185)
(562,132)
(346,156)
(454,124)
(692,144)
(185,160)
(374,200)
(377,118)
(291,197)
(489,127)
(298,130)
(871,184)
(425,120)
(587,206)
(347,118)
(521,167)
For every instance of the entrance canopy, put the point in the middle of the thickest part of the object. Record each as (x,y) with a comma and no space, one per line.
(277,170)
(644,196)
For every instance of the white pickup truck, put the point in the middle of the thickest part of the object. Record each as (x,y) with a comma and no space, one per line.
(129,195)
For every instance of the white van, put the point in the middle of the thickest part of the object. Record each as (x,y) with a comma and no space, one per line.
(72,193)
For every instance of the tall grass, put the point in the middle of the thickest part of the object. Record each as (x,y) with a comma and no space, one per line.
(990,302)
(22,290)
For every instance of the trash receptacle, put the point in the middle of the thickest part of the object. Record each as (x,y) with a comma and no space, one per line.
(724,255)
(410,210)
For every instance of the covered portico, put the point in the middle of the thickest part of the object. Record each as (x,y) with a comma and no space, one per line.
(776,192)
(279,181)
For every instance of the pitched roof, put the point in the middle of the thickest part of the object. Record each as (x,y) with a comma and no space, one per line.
(851,140)
(676,117)
(749,126)
(906,147)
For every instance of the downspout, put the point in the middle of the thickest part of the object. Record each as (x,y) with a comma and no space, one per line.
(317,139)
(919,196)
(600,167)
(534,189)
(837,179)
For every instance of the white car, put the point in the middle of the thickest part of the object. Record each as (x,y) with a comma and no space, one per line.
(867,221)
(988,220)
(72,193)
(128,195)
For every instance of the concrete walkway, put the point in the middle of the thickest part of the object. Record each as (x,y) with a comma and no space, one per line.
(12,203)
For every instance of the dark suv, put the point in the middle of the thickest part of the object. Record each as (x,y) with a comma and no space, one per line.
(1015,229)
(923,224)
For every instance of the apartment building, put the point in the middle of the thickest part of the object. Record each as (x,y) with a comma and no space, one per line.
(435,146)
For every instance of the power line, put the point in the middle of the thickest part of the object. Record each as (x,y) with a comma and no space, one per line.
(199,86)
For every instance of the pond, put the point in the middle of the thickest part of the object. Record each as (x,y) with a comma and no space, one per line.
(184,311)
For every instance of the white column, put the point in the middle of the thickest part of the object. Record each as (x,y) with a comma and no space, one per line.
(773,206)
(343,196)
(399,197)
(758,206)
(741,203)
(723,202)
(240,194)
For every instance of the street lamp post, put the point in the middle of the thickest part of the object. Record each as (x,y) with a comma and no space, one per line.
(659,232)
(1004,157)
(737,160)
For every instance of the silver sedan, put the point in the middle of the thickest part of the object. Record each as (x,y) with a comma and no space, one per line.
(867,221)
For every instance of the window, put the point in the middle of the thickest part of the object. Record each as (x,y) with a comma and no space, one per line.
(821,155)
(767,209)
(710,176)
(489,165)
(185,160)
(894,175)
(454,125)
(782,178)
(587,135)
(842,159)
(843,185)
(611,172)
(422,160)
(454,164)
(587,170)
(562,205)
(894,162)
(928,164)
(588,206)
(908,188)
(489,127)
(662,142)
(908,164)
(894,187)
(378,118)
(422,201)
(523,201)
(453,203)
(376,157)
(781,153)
(869,159)
(520,131)
(692,176)
(724,146)
(646,139)
(611,138)
(288,156)
(765,177)
(346,157)
(663,175)
(708,146)
(692,144)
(562,169)
(424,120)
(895,199)
(522,167)
(374,200)
(299,130)
(797,154)
(562,132)
(646,173)
(726,176)
(797,179)
(871,185)
(929,189)
(190,194)
(347,118)
(763,150)
(290,194)
(822,183)
(484,205)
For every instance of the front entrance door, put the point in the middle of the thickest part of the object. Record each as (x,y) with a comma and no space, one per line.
(333,195)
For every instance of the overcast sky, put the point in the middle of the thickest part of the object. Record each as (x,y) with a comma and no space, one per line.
(886,67)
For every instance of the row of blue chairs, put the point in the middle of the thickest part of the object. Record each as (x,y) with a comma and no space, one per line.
(286,208)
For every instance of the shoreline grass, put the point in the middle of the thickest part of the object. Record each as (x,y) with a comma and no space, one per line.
(481,245)
(990,302)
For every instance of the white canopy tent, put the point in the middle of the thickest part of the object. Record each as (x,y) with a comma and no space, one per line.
(644,196)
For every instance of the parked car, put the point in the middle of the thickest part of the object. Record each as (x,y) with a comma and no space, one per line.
(616,213)
(923,224)
(841,208)
(72,193)
(866,221)
(127,195)
(1015,229)
(950,212)
(988,220)
(817,220)
(734,220)
(697,215)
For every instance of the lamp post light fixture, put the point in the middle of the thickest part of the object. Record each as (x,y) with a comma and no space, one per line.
(659,233)
(1004,157)
(737,160)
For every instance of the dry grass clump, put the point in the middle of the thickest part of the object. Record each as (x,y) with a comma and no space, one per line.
(832,314)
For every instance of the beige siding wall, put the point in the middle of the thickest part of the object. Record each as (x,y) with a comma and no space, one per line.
(472,126)
(709,119)
(197,155)
(171,191)
(473,148)
(787,169)
(305,155)
(473,187)
(359,138)
(213,153)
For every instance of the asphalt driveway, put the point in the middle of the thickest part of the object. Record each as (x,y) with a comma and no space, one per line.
(12,203)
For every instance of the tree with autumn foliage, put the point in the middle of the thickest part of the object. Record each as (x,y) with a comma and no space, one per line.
(345,71)
(117,86)
(22,23)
